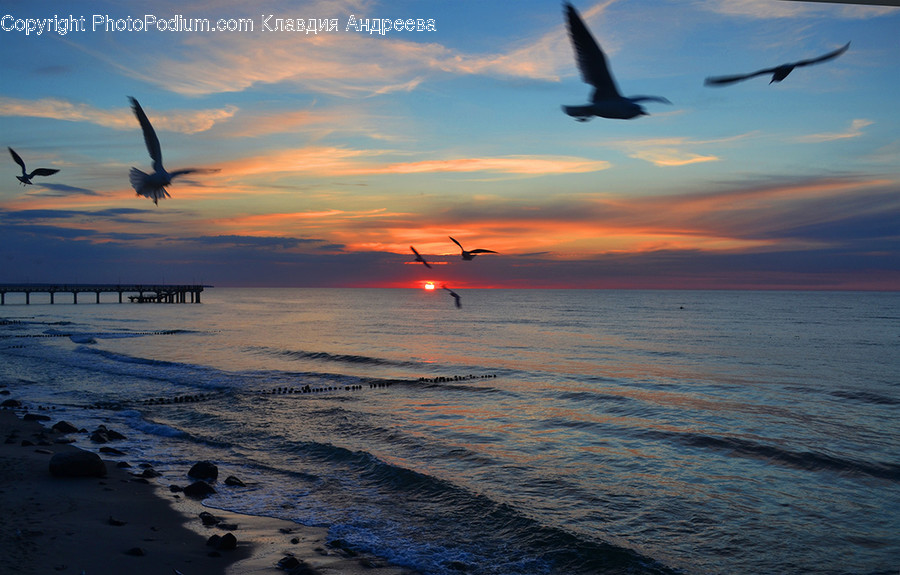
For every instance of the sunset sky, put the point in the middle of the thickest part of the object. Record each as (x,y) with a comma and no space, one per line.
(336,151)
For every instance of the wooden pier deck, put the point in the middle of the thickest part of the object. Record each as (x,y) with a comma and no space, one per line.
(143,293)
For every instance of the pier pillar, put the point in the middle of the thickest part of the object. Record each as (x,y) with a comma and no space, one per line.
(98,297)
(74,297)
(3,298)
(120,297)
(27,298)
(51,298)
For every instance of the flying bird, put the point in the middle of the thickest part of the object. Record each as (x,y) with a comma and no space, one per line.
(25,178)
(454,295)
(471,254)
(419,258)
(606,101)
(153,185)
(779,73)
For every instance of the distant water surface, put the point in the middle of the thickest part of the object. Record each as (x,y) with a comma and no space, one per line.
(529,432)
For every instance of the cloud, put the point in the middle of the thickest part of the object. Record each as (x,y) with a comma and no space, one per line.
(767,9)
(519,165)
(670,152)
(854,131)
(187,122)
(255,241)
(334,161)
(62,190)
(330,62)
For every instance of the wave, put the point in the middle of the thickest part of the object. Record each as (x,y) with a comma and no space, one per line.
(137,421)
(866,397)
(804,460)
(439,527)
(334,357)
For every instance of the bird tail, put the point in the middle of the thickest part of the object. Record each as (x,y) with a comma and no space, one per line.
(140,181)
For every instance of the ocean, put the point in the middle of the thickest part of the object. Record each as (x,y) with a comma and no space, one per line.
(527,432)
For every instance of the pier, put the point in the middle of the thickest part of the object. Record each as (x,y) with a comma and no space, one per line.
(143,293)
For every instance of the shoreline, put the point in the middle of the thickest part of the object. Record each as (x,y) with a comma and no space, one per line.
(94,525)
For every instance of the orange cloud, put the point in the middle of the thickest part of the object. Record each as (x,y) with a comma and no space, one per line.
(335,161)
(186,122)
(854,131)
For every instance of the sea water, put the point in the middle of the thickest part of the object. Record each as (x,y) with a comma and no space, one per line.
(527,432)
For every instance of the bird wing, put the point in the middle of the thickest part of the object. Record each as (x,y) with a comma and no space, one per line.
(722,80)
(177,173)
(481,251)
(149,135)
(649,98)
(825,57)
(419,257)
(591,61)
(17,159)
(457,243)
(42,172)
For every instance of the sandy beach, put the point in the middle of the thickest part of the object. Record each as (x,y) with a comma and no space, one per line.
(124,524)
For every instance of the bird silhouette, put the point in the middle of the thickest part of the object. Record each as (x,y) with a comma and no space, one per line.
(25,178)
(153,185)
(606,101)
(419,258)
(779,73)
(470,255)
(454,295)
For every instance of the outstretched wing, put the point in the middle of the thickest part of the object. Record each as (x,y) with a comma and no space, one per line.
(723,80)
(149,135)
(481,251)
(177,173)
(649,99)
(828,56)
(591,61)
(457,243)
(42,172)
(419,258)
(17,159)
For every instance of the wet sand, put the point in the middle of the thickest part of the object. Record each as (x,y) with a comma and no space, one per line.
(95,525)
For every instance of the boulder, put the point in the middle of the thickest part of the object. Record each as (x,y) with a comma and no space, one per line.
(35,417)
(208,518)
(234,481)
(77,464)
(199,490)
(11,403)
(205,470)
(227,542)
(99,437)
(64,427)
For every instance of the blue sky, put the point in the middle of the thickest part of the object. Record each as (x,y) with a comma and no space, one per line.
(336,151)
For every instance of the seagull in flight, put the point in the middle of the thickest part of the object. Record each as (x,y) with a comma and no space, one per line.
(606,101)
(25,178)
(419,258)
(471,255)
(454,295)
(153,185)
(779,73)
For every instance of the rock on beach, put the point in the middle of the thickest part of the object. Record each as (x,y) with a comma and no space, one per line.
(77,464)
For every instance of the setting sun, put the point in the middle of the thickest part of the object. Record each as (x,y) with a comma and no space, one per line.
(428,285)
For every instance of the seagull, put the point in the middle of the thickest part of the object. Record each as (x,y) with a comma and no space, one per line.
(454,295)
(153,185)
(471,255)
(25,178)
(779,73)
(419,258)
(606,101)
